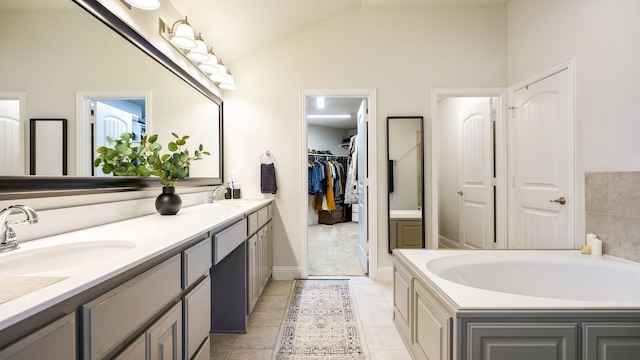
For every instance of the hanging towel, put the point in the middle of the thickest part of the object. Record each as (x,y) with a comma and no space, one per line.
(268,179)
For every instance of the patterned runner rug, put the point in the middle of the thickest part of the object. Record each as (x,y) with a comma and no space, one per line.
(321,323)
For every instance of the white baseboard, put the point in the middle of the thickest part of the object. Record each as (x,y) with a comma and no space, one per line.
(448,243)
(286,273)
(385,273)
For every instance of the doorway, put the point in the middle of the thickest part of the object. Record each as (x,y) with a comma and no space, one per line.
(336,230)
(108,113)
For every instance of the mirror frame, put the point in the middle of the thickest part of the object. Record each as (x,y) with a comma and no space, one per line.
(389,176)
(17,187)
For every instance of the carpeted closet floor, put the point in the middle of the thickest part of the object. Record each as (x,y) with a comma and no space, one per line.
(333,250)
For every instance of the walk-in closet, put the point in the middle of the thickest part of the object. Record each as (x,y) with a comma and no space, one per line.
(332,221)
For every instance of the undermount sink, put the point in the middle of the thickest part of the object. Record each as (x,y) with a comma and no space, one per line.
(60,257)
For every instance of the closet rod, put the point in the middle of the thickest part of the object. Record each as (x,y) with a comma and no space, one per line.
(326,155)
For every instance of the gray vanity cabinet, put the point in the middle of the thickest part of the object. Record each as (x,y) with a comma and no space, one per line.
(522,341)
(609,340)
(259,255)
(165,336)
(56,341)
(113,317)
(137,309)
(241,273)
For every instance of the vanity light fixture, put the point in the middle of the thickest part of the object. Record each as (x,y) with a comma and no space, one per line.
(229,84)
(210,66)
(221,76)
(181,35)
(144,4)
(199,54)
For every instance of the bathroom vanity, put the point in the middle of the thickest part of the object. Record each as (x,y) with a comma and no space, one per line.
(465,305)
(137,289)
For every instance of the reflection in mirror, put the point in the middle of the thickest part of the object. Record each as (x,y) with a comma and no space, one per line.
(466,172)
(12,130)
(406,185)
(53,64)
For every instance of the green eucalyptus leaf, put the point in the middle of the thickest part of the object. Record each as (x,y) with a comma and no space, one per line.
(172,146)
(153,138)
(175,135)
(180,142)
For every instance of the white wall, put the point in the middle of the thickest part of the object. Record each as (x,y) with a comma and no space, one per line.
(604,38)
(326,138)
(402,52)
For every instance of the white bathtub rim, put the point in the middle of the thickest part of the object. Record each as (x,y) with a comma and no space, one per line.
(465,297)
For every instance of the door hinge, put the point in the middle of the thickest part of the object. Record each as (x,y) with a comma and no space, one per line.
(494,182)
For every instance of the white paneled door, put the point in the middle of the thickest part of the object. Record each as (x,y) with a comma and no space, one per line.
(477,216)
(540,176)
(363,234)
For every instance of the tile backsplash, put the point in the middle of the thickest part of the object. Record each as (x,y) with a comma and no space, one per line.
(612,203)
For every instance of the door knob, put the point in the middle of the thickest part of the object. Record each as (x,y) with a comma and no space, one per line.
(460,193)
(561,200)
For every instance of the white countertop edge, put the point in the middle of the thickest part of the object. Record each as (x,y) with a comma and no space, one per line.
(154,235)
(469,299)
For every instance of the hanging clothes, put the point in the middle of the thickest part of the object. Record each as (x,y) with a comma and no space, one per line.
(351,190)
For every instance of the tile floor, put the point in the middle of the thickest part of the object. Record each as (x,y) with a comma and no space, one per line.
(373,299)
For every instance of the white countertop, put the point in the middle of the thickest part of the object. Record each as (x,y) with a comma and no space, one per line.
(405,214)
(467,298)
(153,235)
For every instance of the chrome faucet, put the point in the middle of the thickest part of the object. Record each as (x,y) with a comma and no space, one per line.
(213,196)
(8,237)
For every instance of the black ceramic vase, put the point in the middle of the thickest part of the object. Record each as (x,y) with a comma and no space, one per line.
(168,203)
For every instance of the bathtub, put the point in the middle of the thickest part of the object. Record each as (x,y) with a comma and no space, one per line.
(516,304)
(487,279)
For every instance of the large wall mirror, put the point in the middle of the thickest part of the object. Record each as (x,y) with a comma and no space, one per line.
(59,61)
(405,160)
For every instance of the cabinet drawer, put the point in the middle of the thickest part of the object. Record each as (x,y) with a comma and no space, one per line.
(196,262)
(253,223)
(114,316)
(227,240)
(263,216)
(56,341)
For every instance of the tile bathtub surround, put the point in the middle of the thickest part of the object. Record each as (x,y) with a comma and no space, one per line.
(612,203)
(374,303)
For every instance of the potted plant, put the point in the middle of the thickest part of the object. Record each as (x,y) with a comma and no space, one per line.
(124,157)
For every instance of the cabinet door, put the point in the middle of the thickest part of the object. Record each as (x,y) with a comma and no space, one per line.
(56,341)
(137,350)
(522,341)
(197,312)
(165,336)
(263,246)
(409,234)
(253,278)
(431,327)
(402,290)
(611,341)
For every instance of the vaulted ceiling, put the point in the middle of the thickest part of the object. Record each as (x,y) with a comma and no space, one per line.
(237,27)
